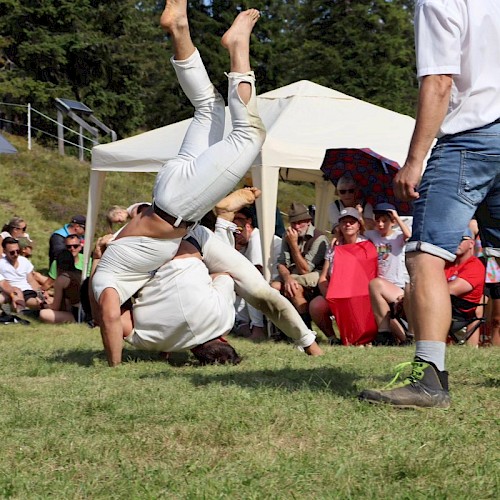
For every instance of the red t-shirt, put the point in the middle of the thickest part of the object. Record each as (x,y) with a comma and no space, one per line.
(472,271)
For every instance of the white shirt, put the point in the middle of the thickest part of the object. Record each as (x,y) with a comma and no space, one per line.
(390,250)
(462,38)
(181,307)
(17,276)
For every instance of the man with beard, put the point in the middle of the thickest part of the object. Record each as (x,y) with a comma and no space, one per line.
(302,255)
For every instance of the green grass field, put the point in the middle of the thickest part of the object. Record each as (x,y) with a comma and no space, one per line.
(279,425)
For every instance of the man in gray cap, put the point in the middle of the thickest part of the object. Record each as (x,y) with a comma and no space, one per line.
(302,256)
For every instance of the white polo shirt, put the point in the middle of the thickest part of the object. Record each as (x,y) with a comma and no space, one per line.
(462,38)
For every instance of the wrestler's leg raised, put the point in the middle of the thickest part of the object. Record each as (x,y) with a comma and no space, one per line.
(218,169)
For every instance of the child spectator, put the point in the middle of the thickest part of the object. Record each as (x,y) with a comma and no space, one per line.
(388,287)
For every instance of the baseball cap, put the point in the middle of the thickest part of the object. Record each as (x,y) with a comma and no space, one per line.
(383,208)
(79,219)
(350,212)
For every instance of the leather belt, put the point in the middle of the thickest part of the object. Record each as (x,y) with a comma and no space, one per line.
(173,221)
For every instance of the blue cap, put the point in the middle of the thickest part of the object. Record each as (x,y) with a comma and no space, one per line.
(383,208)
(468,234)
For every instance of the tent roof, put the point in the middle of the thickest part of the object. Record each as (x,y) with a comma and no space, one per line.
(303,119)
(6,146)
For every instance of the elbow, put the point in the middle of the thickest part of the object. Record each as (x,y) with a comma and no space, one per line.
(440,84)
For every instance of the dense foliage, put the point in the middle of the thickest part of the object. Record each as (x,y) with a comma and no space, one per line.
(112,56)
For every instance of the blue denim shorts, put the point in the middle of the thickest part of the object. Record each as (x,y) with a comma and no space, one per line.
(463,172)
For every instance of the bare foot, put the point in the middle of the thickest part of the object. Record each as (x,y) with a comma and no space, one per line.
(237,200)
(239,32)
(174,16)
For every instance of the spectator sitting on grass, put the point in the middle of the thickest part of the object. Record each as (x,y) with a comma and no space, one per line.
(57,241)
(15,228)
(66,303)
(73,244)
(10,295)
(18,271)
(26,246)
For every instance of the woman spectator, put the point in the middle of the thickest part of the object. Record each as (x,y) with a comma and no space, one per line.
(349,196)
(16,228)
(351,230)
(66,303)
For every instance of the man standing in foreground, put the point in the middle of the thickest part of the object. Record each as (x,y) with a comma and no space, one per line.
(458,64)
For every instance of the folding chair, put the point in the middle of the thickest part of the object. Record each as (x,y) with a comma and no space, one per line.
(463,315)
(464,321)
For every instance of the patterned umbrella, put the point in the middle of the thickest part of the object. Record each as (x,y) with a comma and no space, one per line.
(372,173)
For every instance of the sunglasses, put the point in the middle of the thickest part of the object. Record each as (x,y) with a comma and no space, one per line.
(75,245)
(14,252)
(21,228)
(344,191)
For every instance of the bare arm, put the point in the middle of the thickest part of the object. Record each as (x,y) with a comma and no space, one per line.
(459,287)
(58,302)
(292,239)
(434,97)
(323,280)
(404,228)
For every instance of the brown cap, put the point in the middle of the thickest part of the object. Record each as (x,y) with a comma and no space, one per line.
(298,212)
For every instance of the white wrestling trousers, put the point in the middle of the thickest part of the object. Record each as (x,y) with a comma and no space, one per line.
(208,167)
(249,284)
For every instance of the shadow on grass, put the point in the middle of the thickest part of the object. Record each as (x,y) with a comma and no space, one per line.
(89,357)
(326,379)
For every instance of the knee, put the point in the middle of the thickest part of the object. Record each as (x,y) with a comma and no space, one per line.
(374,286)
(46,316)
(318,306)
(109,305)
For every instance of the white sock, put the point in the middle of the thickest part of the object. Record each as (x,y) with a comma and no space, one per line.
(433,351)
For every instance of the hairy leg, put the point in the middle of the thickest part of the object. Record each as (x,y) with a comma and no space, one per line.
(175,22)
(237,42)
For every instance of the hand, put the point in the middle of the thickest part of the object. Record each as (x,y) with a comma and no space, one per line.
(313,350)
(359,208)
(394,213)
(406,182)
(291,287)
(101,245)
(291,236)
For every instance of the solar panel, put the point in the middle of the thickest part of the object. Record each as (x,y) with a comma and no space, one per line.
(75,106)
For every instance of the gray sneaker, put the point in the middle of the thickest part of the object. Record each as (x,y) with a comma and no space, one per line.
(426,387)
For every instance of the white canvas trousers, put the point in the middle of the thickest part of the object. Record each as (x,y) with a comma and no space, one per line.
(249,284)
(209,166)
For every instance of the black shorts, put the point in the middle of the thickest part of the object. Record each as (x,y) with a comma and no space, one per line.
(29,294)
(492,290)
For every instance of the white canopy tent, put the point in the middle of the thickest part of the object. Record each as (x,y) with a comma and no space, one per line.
(303,119)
